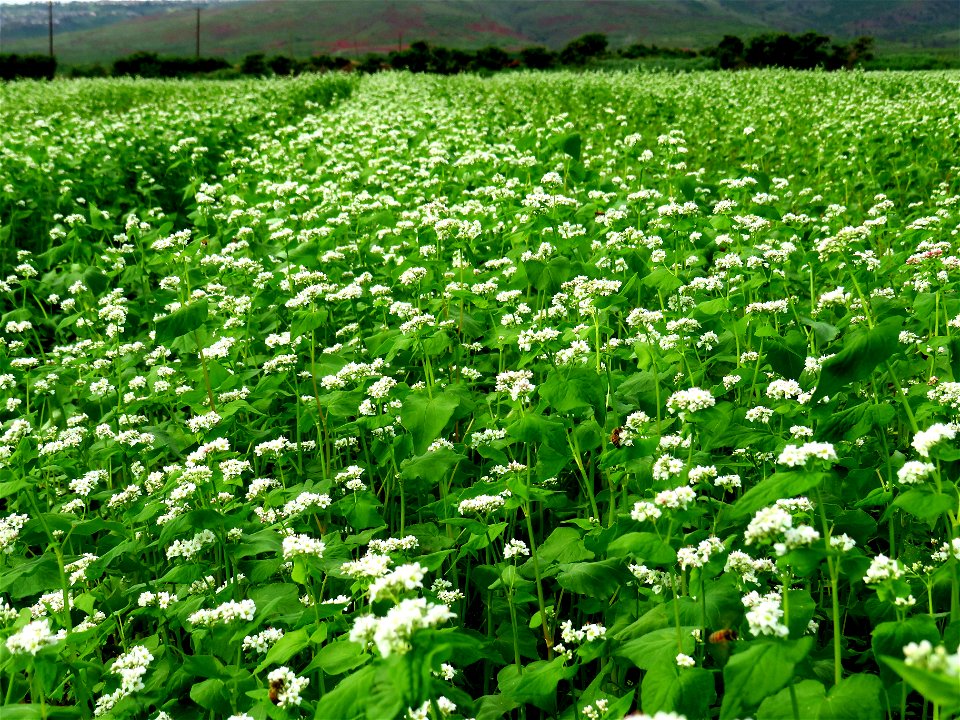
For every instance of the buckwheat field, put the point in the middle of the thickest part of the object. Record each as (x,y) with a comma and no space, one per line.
(576,396)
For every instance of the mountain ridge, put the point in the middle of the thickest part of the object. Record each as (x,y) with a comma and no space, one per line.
(99,32)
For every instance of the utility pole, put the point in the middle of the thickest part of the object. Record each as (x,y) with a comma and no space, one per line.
(50,23)
(198,31)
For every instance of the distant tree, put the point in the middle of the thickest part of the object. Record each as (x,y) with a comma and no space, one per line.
(416,58)
(637,50)
(811,51)
(861,50)
(538,58)
(254,64)
(139,64)
(372,64)
(282,65)
(320,63)
(36,67)
(490,58)
(584,48)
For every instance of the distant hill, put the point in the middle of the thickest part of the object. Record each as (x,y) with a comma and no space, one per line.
(101,32)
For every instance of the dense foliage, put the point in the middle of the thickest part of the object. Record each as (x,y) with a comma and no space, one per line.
(542,395)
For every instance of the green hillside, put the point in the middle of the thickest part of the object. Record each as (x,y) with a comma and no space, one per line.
(357,27)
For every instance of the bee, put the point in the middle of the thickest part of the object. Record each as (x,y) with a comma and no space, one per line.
(276,687)
(615,437)
(722,637)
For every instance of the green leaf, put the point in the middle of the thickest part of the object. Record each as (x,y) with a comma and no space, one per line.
(809,695)
(758,672)
(857,697)
(538,683)
(862,352)
(936,687)
(182,321)
(34,576)
(889,639)
(348,700)
(285,648)
(208,694)
(426,418)
(563,545)
(571,145)
(566,390)
(644,546)
(336,658)
(431,465)
(387,697)
(777,486)
(925,503)
(667,688)
(659,647)
(599,579)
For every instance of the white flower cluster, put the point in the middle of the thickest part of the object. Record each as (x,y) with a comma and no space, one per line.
(372,565)
(391,633)
(10,528)
(162,600)
(587,633)
(700,555)
(290,686)
(32,638)
(766,524)
(262,641)
(656,579)
(389,545)
(925,440)
(481,504)
(444,704)
(186,549)
(298,545)
(914,471)
(131,667)
(402,578)
(924,655)
(795,537)
(692,400)
(883,568)
(765,614)
(643,511)
(516,383)
(225,614)
(515,548)
(677,498)
(794,456)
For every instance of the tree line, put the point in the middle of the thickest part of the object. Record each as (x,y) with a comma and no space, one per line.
(806,51)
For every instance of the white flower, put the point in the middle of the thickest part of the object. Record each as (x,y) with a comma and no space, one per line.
(766,524)
(290,686)
(883,568)
(224,614)
(765,615)
(914,471)
(297,545)
(685,661)
(514,548)
(391,633)
(404,577)
(676,499)
(690,400)
(643,511)
(794,456)
(32,638)
(516,383)
(924,440)
(480,504)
